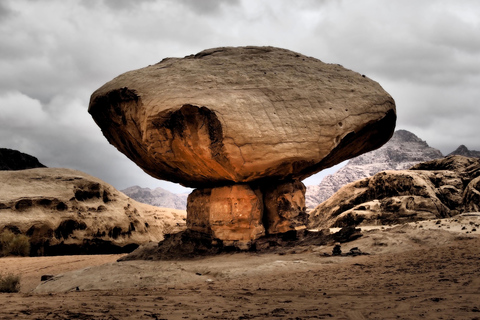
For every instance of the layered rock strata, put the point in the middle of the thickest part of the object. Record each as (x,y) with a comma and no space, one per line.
(66,211)
(248,116)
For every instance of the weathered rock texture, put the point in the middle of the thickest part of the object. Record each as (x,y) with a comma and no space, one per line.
(228,213)
(16,160)
(66,211)
(435,189)
(402,151)
(285,207)
(247,115)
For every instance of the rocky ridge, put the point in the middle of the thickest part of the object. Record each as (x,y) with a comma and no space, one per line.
(66,211)
(403,151)
(158,197)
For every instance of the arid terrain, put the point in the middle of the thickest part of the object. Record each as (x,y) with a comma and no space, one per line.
(424,270)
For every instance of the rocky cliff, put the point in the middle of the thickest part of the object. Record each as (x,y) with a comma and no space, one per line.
(16,160)
(403,151)
(157,197)
(65,211)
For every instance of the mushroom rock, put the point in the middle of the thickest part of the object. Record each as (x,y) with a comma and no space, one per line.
(254,116)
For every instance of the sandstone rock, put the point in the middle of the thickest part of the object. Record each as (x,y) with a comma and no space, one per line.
(229,121)
(433,189)
(230,213)
(402,151)
(237,115)
(285,207)
(66,211)
(471,198)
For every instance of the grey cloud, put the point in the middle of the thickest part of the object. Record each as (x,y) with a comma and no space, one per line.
(207,6)
(54,54)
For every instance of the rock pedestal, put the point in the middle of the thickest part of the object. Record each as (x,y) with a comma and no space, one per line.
(228,213)
(285,207)
(240,213)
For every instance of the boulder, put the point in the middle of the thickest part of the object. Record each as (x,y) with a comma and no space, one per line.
(257,117)
(67,211)
(471,198)
(237,115)
(434,189)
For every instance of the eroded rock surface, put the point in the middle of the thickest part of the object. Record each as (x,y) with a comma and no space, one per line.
(401,152)
(285,207)
(435,189)
(246,117)
(66,211)
(236,115)
(230,213)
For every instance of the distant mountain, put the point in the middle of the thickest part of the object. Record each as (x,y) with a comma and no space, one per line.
(158,197)
(464,151)
(16,160)
(402,152)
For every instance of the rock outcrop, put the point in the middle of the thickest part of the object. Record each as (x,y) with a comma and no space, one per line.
(403,151)
(158,197)
(435,189)
(256,116)
(16,160)
(66,211)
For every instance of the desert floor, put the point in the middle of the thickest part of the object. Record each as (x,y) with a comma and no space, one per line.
(427,270)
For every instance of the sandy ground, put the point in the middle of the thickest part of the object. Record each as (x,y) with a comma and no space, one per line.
(427,270)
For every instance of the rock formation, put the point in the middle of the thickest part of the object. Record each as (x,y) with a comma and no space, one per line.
(403,151)
(462,150)
(244,120)
(66,211)
(435,189)
(157,197)
(16,160)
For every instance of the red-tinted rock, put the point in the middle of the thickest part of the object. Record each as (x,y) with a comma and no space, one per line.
(228,213)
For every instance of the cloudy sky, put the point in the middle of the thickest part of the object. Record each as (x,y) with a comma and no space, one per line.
(55,53)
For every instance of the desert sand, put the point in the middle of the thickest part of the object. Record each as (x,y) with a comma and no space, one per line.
(424,270)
